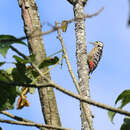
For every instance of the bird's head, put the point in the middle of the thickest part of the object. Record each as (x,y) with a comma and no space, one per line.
(97,44)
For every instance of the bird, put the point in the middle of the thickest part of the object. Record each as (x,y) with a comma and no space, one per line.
(94,55)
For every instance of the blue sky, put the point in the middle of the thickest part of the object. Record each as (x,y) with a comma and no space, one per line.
(109,79)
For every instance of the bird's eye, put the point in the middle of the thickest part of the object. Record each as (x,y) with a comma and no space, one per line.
(98,45)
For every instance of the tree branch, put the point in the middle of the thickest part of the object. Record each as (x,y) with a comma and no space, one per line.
(86,16)
(15,117)
(76,96)
(82,70)
(67,59)
(11,84)
(89,101)
(94,14)
(18,52)
(33,28)
(69,21)
(18,118)
(32,124)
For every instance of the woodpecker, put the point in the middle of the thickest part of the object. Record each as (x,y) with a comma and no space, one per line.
(94,55)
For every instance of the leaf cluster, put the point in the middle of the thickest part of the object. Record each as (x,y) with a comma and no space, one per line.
(124,99)
(22,73)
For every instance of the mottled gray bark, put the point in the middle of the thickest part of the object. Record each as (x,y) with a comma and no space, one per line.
(81,54)
(32,29)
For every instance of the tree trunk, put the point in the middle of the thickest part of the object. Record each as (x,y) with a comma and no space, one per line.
(32,29)
(81,54)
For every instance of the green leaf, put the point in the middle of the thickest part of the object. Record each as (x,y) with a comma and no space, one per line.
(124,97)
(7,94)
(56,53)
(19,73)
(3,51)
(2,63)
(21,60)
(4,76)
(32,58)
(126,124)
(9,39)
(49,61)
(6,41)
(9,70)
(111,115)
(32,74)
(7,97)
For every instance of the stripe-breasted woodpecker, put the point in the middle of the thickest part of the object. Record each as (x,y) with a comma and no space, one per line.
(94,55)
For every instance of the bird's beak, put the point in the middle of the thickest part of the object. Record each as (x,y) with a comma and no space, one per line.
(92,43)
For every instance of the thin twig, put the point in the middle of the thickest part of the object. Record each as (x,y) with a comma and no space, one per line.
(32,124)
(67,59)
(55,28)
(76,96)
(12,84)
(18,52)
(18,118)
(43,33)
(86,16)
(14,116)
(69,21)
(94,14)
(53,66)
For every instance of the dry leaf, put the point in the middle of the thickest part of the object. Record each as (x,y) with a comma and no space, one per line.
(64,25)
